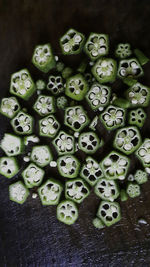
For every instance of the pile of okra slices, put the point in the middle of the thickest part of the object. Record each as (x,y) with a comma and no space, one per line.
(61,89)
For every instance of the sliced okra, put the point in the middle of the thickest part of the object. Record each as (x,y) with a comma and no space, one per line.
(127,140)
(67,212)
(123,195)
(89,142)
(32,138)
(121,102)
(40,85)
(123,50)
(98,96)
(22,84)
(133,190)
(43,58)
(50,192)
(72,42)
(97,45)
(105,70)
(137,117)
(107,189)
(115,166)
(32,175)
(94,123)
(109,212)
(82,67)
(68,166)
(76,190)
(55,84)
(8,166)
(62,102)
(138,95)
(12,145)
(64,143)
(143,153)
(22,123)
(44,105)
(142,58)
(91,171)
(141,177)
(76,87)
(48,126)
(129,81)
(113,117)
(41,155)
(60,66)
(97,222)
(18,192)
(129,68)
(9,107)
(67,72)
(76,118)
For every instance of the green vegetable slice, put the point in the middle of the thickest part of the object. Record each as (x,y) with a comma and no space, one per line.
(33,175)
(68,166)
(9,107)
(67,212)
(76,190)
(8,166)
(64,143)
(109,212)
(107,189)
(105,70)
(18,192)
(12,145)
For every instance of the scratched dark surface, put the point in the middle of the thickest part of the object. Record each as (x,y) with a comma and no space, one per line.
(30,235)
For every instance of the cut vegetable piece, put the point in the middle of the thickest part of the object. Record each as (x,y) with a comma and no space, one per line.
(89,142)
(123,195)
(62,102)
(22,84)
(9,107)
(68,166)
(141,56)
(40,84)
(143,153)
(32,175)
(138,95)
(32,138)
(121,102)
(82,67)
(76,87)
(107,189)
(98,223)
(129,68)
(41,155)
(18,192)
(44,105)
(113,117)
(97,45)
(55,84)
(109,212)
(60,66)
(67,212)
(105,70)
(64,143)
(129,81)
(133,190)
(48,126)
(12,145)
(76,118)
(91,171)
(50,192)
(72,42)
(43,58)
(123,50)
(8,166)
(67,72)
(137,117)
(141,177)
(76,190)
(127,140)
(22,123)
(98,96)
(115,166)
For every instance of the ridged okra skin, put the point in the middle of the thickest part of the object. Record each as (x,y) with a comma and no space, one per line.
(67,212)
(105,70)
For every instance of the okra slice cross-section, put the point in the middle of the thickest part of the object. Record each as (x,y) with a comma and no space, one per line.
(143,153)
(123,51)
(113,117)
(22,123)
(64,143)
(44,105)
(8,166)
(62,102)
(107,189)
(138,95)
(76,118)
(18,192)
(137,117)
(12,145)
(9,107)
(76,190)
(68,166)
(48,126)
(105,70)
(129,68)
(89,142)
(55,84)
(40,84)
(33,175)
(76,87)
(67,212)
(41,155)
(141,177)
(109,212)
(133,190)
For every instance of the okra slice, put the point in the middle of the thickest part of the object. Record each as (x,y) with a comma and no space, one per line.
(76,190)
(32,175)
(22,123)
(94,123)
(68,166)
(123,50)
(72,42)
(141,56)
(121,102)
(8,166)
(50,192)
(115,166)
(109,212)
(18,192)
(113,117)
(64,143)
(91,171)
(97,45)
(55,84)
(127,140)
(12,145)
(62,102)
(98,96)
(44,105)
(9,107)
(123,195)
(129,68)
(67,212)
(98,223)
(40,84)
(41,155)
(141,177)
(105,70)
(137,117)
(138,95)
(43,58)
(76,118)
(133,190)
(48,126)
(143,153)
(89,142)
(67,72)
(107,189)
(22,84)
(76,87)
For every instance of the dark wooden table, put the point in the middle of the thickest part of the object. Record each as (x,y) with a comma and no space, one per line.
(30,235)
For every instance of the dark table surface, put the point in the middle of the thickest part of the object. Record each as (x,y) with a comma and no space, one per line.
(30,235)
